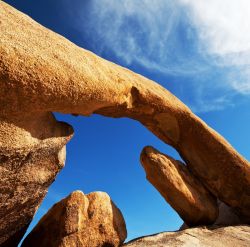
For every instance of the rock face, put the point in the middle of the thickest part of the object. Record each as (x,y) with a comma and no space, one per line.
(80,220)
(233,236)
(42,72)
(182,191)
(32,152)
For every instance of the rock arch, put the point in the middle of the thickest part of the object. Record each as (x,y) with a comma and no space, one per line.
(42,72)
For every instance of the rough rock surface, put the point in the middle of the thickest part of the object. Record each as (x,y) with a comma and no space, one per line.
(80,220)
(181,190)
(32,152)
(232,236)
(41,72)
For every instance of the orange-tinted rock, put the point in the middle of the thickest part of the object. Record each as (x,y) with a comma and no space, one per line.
(42,71)
(80,220)
(181,190)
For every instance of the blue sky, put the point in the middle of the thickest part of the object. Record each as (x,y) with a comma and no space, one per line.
(199,50)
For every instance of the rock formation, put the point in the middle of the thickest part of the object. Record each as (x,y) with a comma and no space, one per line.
(80,220)
(182,191)
(237,236)
(32,152)
(42,72)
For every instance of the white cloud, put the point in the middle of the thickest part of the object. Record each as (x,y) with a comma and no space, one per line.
(192,39)
(223,25)
(224,32)
(142,32)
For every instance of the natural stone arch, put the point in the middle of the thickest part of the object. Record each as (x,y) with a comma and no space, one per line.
(42,72)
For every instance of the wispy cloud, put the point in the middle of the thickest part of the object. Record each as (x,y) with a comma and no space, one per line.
(144,32)
(204,45)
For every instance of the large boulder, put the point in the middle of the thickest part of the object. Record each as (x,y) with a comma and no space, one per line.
(80,220)
(231,236)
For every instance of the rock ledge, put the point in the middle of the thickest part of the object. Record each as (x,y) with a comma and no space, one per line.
(231,236)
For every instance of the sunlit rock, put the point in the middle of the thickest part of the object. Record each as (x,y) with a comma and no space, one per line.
(80,220)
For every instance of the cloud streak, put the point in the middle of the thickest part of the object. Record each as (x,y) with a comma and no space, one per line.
(204,46)
(144,32)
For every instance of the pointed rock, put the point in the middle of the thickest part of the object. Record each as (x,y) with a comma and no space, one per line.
(191,200)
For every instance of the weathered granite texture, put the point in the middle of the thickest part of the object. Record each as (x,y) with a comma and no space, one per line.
(231,236)
(32,152)
(90,220)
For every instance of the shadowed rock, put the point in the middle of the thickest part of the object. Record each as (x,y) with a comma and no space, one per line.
(80,220)
(41,72)
(181,190)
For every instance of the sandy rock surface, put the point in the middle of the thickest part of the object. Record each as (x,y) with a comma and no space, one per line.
(231,236)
